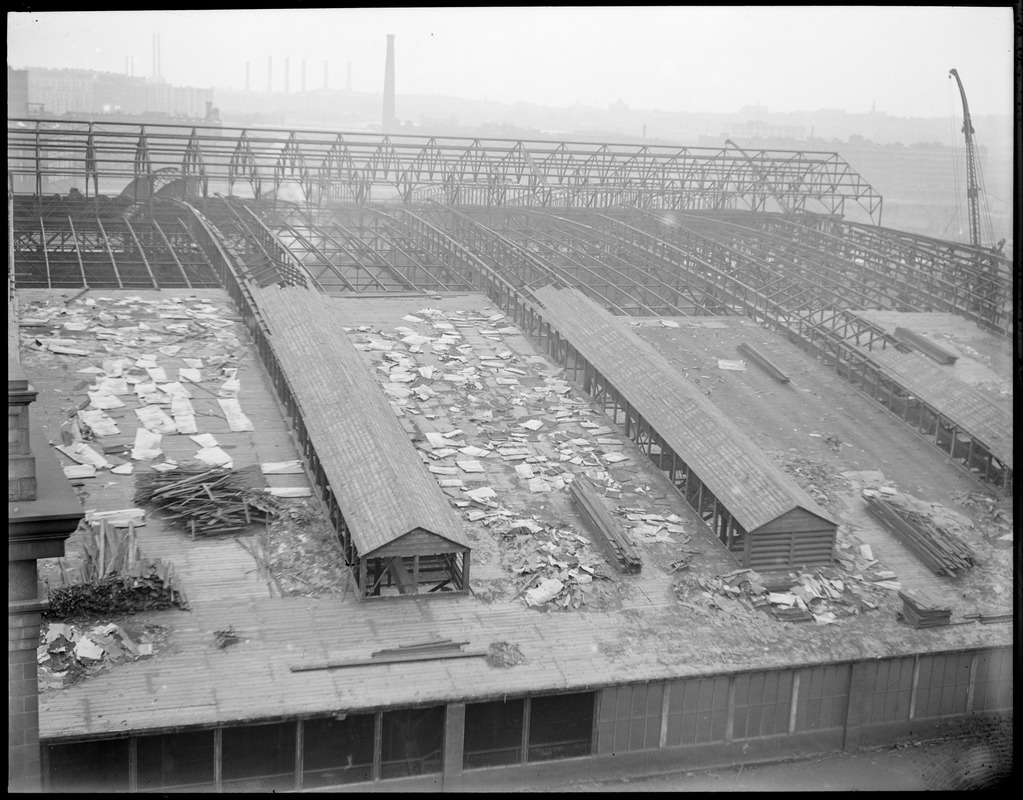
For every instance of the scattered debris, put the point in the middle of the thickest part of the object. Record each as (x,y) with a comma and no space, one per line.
(71,653)
(225,638)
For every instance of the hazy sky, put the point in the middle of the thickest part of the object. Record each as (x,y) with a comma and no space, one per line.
(709,59)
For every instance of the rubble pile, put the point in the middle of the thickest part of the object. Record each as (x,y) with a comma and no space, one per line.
(821,595)
(70,653)
(113,576)
(558,566)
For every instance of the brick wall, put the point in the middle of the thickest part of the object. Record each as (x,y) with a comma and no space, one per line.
(23,770)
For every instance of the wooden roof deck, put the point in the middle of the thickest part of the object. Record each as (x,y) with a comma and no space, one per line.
(191,682)
(753,489)
(960,402)
(382,487)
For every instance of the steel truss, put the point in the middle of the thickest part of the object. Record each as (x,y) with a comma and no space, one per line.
(55,245)
(325,166)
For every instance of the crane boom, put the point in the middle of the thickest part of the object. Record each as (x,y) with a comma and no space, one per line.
(972,192)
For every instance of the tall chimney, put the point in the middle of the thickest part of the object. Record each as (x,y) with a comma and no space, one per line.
(126,70)
(159,57)
(389,85)
(154,58)
(348,86)
(287,74)
(269,73)
(248,64)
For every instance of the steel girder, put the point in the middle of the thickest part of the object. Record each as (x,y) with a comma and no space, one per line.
(361,167)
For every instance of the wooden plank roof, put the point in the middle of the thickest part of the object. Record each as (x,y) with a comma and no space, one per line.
(753,489)
(958,401)
(382,487)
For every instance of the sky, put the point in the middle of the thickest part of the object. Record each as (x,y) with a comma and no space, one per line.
(706,59)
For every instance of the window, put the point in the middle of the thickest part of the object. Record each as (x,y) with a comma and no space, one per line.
(412,742)
(337,750)
(560,726)
(493,734)
(175,761)
(89,766)
(258,758)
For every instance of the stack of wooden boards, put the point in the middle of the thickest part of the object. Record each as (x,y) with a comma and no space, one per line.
(941,551)
(619,549)
(205,501)
(922,611)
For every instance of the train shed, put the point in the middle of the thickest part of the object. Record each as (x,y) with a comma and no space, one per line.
(398,531)
(764,519)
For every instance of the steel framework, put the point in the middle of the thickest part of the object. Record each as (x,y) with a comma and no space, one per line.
(323,166)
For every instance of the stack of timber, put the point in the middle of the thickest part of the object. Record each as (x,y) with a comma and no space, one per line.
(205,501)
(942,552)
(921,611)
(619,549)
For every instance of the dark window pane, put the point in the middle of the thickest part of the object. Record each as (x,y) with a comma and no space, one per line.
(560,726)
(89,766)
(259,758)
(175,760)
(413,742)
(493,734)
(337,751)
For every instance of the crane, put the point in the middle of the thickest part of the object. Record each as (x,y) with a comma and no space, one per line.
(972,192)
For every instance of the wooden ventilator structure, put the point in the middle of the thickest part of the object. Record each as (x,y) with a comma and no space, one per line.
(399,534)
(760,515)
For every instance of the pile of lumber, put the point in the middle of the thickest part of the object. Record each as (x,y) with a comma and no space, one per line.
(921,611)
(205,501)
(940,551)
(617,546)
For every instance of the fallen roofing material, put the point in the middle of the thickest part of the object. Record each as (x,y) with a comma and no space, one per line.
(754,490)
(382,487)
(964,406)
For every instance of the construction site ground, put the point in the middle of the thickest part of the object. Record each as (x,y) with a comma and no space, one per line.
(287,593)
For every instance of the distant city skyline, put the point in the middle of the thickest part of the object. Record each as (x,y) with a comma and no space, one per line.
(696,59)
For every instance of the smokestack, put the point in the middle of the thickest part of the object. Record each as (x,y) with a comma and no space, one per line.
(348,87)
(389,85)
(287,74)
(303,76)
(154,58)
(326,68)
(133,66)
(126,70)
(159,55)
(269,73)
(248,64)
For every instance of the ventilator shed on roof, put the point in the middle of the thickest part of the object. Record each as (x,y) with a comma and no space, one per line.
(764,518)
(404,532)
(963,406)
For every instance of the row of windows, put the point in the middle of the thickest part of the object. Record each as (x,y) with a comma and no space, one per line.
(334,750)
